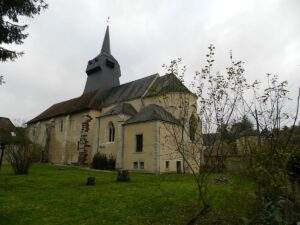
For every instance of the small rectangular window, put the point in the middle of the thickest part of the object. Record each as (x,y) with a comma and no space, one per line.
(139,142)
(141,165)
(167,165)
(135,165)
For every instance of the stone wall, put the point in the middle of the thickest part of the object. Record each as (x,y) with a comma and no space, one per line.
(148,155)
(77,137)
(68,134)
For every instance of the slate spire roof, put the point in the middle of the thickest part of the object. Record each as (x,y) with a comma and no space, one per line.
(106,42)
(103,71)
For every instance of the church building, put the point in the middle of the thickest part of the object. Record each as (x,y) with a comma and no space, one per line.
(129,122)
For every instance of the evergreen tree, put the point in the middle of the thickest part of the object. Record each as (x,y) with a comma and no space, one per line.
(242,128)
(11,31)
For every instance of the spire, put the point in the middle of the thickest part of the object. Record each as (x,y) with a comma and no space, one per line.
(106,42)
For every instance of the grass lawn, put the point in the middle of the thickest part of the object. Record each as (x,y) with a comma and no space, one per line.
(58,195)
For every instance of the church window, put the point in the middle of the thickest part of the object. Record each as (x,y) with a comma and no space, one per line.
(167,165)
(192,127)
(142,165)
(139,142)
(111,132)
(135,165)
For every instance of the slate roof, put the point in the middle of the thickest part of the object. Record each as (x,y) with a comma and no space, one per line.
(125,92)
(152,112)
(165,84)
(6,127)
(122,108)
(67,107)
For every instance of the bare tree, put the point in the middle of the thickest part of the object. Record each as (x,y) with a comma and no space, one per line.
(268,151)
(217,95)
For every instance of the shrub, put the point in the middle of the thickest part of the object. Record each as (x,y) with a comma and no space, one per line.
(101,162)
(111,163)
(293,166)
(20,157)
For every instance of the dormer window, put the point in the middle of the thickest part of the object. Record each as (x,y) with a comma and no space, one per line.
(110,64)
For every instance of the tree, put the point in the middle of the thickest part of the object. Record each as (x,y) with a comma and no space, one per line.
(218,95)
(11,31)
(270,150)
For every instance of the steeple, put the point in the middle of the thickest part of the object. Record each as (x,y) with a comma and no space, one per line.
(106,42)
(104,70)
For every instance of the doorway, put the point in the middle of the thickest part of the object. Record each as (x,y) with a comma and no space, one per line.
(178,166)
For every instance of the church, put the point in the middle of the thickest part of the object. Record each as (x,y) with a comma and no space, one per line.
(129,122)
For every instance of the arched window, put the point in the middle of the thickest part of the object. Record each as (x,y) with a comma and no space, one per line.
(193,127)
(111,132)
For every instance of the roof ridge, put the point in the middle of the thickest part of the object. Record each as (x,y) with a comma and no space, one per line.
(136,80)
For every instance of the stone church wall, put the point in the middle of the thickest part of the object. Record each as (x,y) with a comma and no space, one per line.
(149,154)
(88,132)
(168,149)
(65,136)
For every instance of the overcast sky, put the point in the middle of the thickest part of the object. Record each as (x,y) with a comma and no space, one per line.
(145,35)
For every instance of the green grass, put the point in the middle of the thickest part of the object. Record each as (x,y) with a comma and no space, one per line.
(51,195)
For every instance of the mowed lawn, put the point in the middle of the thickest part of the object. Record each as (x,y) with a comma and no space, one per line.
(58,195)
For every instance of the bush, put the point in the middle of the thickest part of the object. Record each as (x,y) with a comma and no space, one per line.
(20,157)
(293,166)
(101,162)
(111,163)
